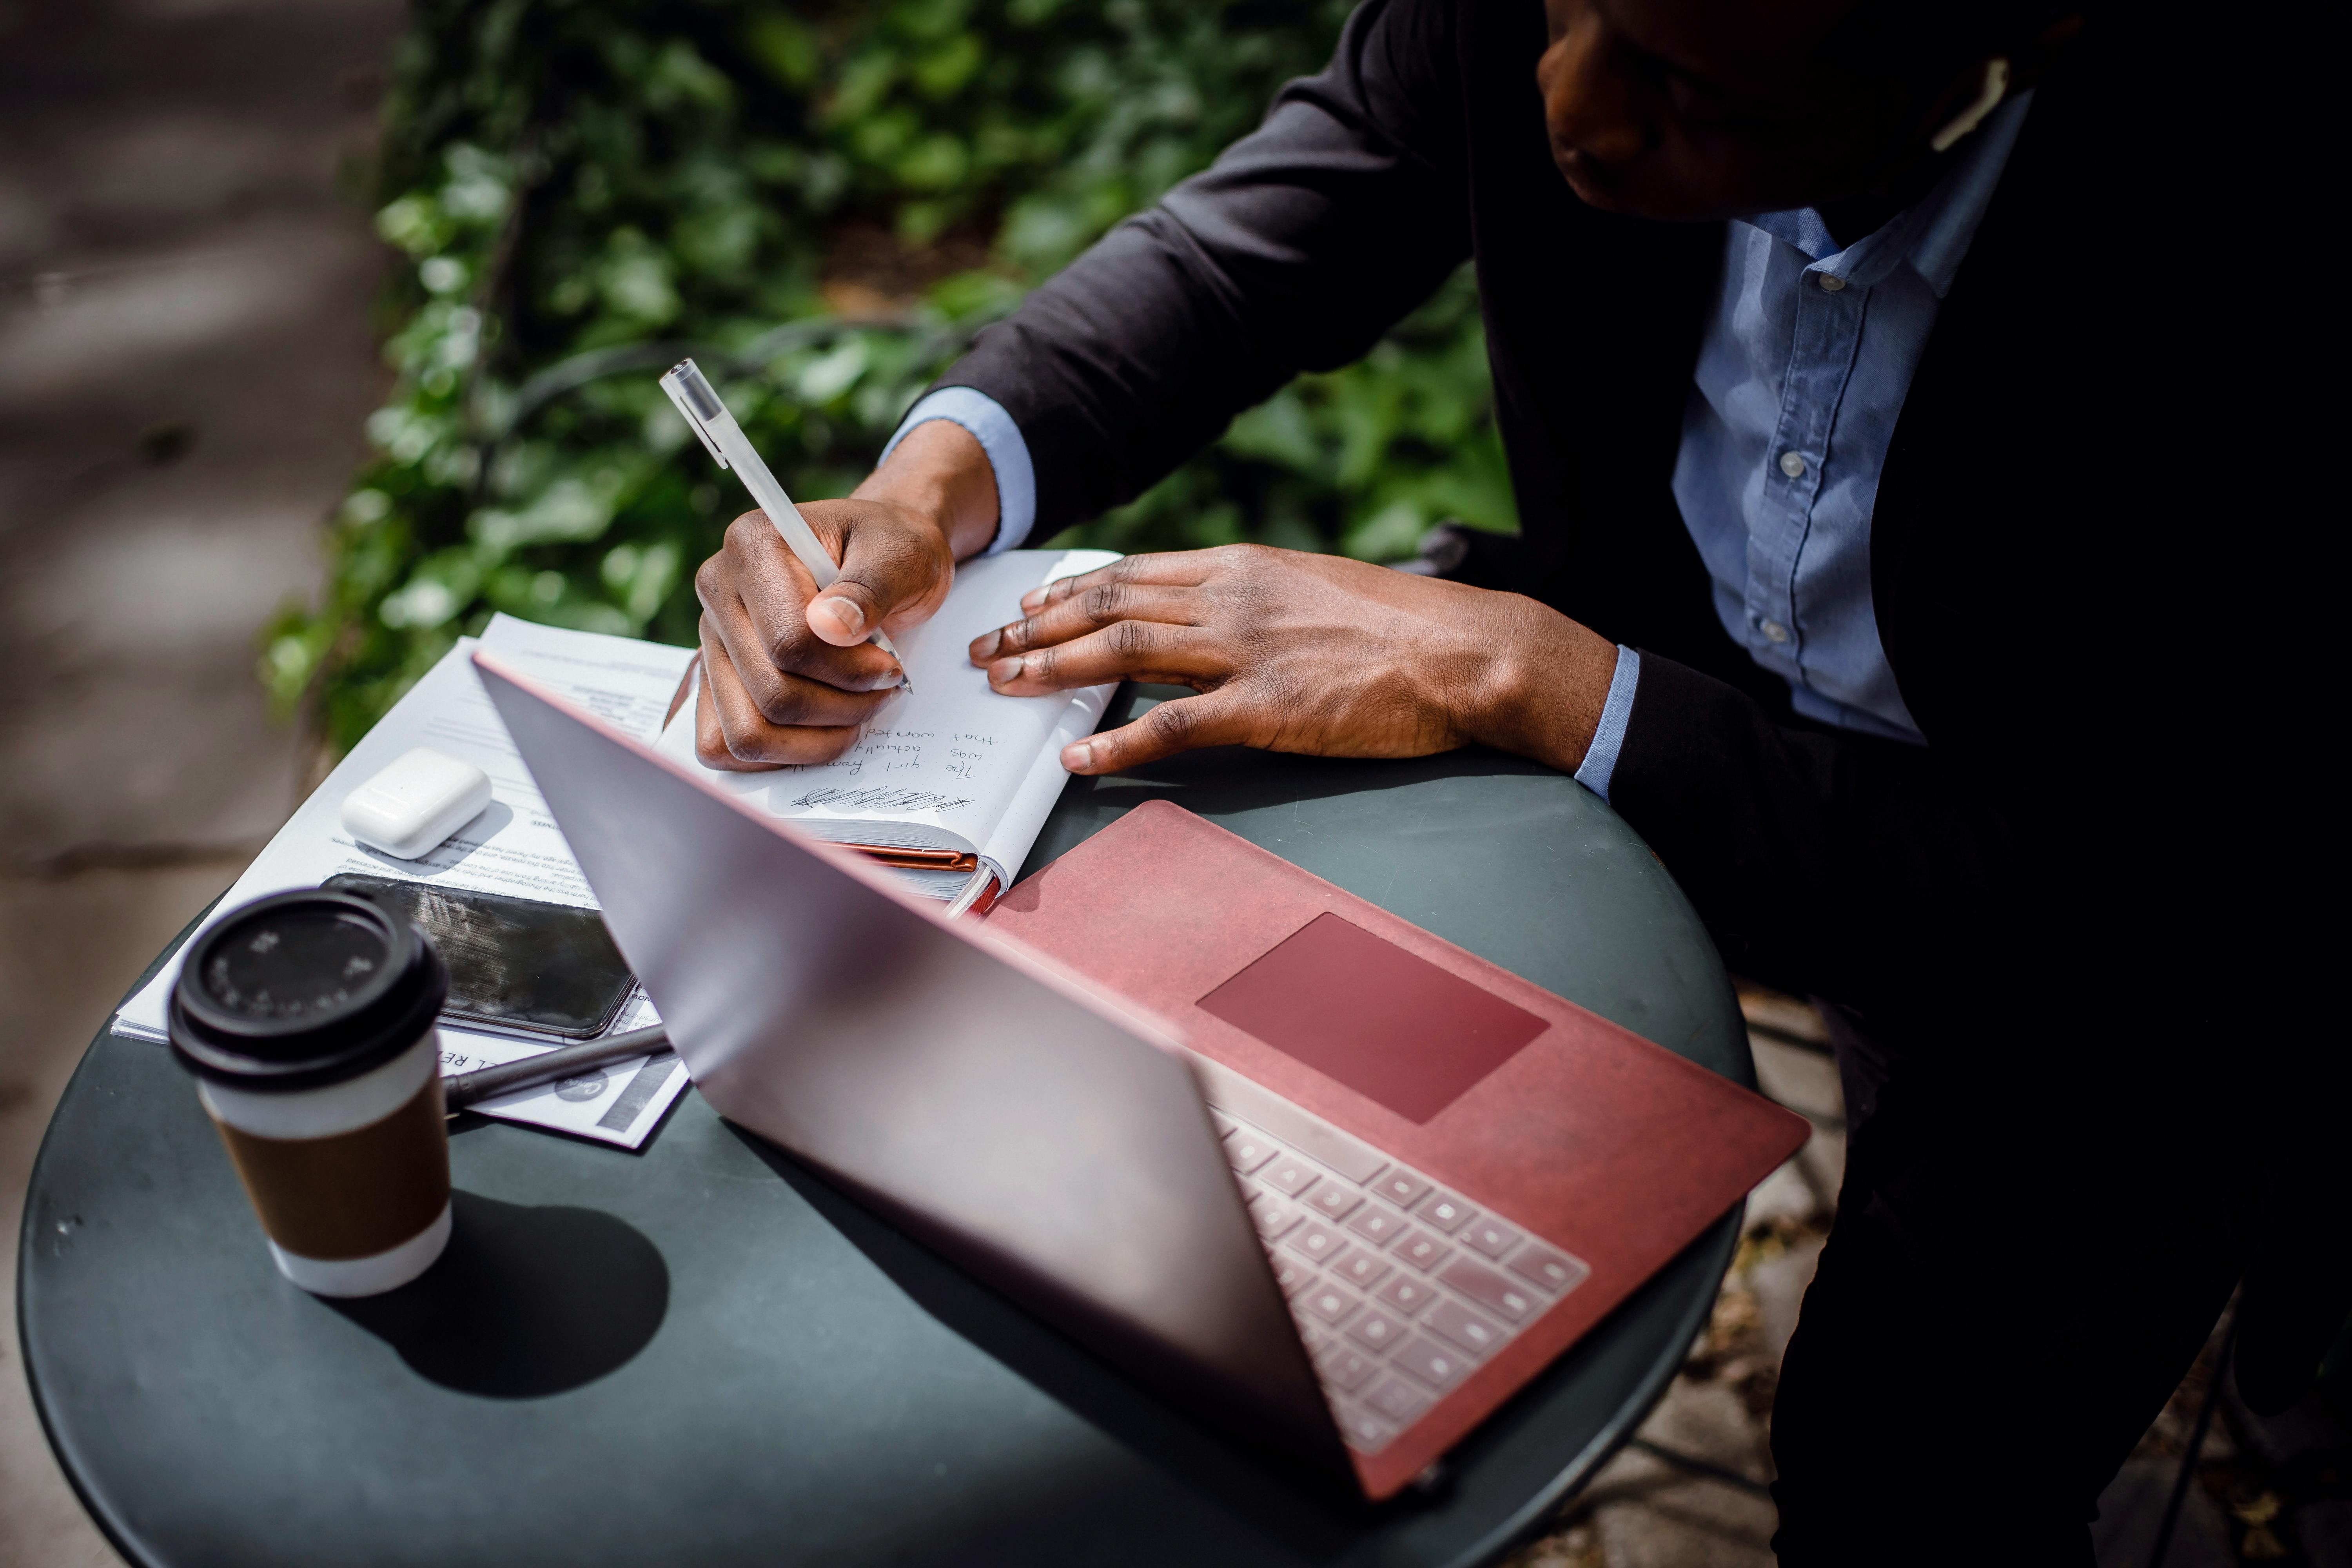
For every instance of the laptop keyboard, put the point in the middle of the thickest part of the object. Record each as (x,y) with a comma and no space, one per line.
(1400,1289)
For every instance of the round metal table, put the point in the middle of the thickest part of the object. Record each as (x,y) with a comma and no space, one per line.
(704,1354)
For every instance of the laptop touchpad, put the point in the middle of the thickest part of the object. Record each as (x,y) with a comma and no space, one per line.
(1359,1008)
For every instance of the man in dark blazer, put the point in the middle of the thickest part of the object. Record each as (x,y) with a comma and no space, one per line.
(1906,516)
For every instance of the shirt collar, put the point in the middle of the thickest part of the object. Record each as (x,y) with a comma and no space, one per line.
(1931,234)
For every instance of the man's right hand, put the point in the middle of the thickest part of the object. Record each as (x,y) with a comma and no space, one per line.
(787,673)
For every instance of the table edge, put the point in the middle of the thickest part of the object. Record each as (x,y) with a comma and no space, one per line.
(116,1534)
(1524,1523)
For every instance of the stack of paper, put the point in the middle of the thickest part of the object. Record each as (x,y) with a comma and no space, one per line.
(512,848)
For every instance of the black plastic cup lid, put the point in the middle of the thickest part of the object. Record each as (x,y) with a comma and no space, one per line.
(301,990)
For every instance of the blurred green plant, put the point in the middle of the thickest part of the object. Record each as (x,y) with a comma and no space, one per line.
(821,203)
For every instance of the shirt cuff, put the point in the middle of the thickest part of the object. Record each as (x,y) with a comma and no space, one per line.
(1000,437)
(1601,757)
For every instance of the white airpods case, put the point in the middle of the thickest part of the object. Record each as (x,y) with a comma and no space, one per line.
(410,807)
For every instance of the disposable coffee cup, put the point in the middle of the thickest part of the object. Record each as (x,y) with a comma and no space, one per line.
(307,1018)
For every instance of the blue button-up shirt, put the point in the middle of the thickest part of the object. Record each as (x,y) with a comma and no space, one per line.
(1804,366)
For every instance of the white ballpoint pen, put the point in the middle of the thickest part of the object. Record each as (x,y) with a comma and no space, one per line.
(707,418)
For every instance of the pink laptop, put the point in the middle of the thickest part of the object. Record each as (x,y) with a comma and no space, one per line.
(1456,1173)
(1330,1183)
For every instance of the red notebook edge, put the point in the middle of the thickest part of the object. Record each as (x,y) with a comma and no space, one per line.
(1590,1137)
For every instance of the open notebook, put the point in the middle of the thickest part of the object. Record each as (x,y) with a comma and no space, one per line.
(950,767)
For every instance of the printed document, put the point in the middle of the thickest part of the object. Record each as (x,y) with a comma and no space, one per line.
(512,848)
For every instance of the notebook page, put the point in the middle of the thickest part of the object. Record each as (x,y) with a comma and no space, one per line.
(952,764)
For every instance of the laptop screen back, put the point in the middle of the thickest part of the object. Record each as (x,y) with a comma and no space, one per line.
(1034,1135)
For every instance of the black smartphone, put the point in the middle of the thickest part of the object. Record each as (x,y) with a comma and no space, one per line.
(513,963)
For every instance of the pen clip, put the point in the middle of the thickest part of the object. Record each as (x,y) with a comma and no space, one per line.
(688,388)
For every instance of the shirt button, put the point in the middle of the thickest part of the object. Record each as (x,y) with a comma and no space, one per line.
(1775,632)
(1831,282)
(1792,465)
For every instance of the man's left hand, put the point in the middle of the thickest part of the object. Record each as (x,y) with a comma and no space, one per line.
(1292,652)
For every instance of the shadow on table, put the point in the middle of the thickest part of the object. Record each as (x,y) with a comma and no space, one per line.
(1226,777)
(526,1301)
(1308,1527)
(1223,783)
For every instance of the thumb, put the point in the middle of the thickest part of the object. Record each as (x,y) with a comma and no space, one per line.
(895,567)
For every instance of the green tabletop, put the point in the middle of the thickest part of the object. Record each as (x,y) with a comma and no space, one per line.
(704,1354)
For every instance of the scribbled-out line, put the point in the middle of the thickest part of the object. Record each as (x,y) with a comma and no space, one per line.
(882,800)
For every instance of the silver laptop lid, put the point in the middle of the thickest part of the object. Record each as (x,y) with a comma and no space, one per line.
(1014,1117)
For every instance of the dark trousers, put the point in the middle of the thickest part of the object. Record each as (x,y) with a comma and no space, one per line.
(1961,1392)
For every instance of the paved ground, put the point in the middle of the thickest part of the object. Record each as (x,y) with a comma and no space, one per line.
(184,363)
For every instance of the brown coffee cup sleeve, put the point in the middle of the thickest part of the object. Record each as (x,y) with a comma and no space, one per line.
(351,1194)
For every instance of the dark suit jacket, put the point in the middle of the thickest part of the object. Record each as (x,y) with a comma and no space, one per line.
(2083,548)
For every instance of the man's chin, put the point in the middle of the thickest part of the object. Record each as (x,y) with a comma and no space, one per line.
(1593,195)
(1613,190)
(1595,186)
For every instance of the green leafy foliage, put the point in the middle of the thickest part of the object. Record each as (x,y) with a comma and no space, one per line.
(821,203)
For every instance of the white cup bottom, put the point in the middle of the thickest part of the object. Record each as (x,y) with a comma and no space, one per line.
(386,1270)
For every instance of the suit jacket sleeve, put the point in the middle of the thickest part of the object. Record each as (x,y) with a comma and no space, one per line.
(1301,244)
(1807,852)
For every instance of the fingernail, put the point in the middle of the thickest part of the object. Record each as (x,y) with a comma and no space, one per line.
(850,618)
(1005,671)
(1077,759)
(985,647)
(896,678)
(1033,601)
